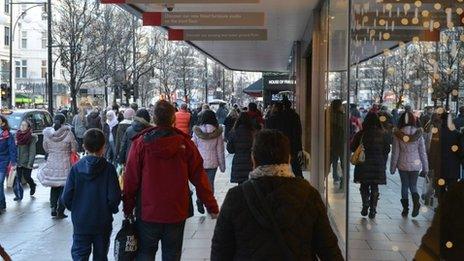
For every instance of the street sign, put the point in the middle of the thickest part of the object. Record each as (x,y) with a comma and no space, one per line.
(204,18)
(218,35)
(180,1)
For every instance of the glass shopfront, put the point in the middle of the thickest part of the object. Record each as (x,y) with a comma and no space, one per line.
(386,74)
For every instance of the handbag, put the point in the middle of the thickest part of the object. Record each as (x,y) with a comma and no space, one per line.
(359,156)
(11,172)
(74,158)
(263,215)
(126,243)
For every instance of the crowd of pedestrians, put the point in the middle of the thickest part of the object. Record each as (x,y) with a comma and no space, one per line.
(430,145)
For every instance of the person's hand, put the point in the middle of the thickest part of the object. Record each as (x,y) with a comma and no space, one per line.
(423,173)
(392,172)
(214,215)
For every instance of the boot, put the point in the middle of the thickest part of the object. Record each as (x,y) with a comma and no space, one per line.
(32,189)
(415,205)
(365,203)
(373,204)
(200,207)
(53,213)
(60,213)
(405,204)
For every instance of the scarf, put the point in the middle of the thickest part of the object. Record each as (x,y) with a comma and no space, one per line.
(23,137)
(281,170)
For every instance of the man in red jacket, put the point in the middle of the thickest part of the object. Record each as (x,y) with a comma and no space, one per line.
(183,119)
(161,162)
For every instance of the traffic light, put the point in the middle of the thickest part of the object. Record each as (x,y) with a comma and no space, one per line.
(4,91)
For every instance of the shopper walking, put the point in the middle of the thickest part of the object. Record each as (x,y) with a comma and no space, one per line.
(7,157)
(222,113)
(286,120)
(94,120)
(165,159)
(79,124)
(141,121)
(209,141)
(409,156)
(110,129)
(92,194)
(230,122)
(371,173)
(240,143)
(337,139)
(183,119)
(59,143)
(26,142)
(255,115)
(129,114)
(273,216)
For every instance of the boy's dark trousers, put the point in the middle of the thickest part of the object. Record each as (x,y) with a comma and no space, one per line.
(97,244)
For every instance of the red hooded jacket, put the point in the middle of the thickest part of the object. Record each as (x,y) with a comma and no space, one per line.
(160,164)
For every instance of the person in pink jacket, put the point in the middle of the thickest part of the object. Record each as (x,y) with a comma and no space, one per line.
(209,140)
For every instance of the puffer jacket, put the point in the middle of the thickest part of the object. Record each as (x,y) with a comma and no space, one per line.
(183,121)
(138,125)
(27,152)
(240,143)
(409,153)
(58,144)
(210,143)
(299,212)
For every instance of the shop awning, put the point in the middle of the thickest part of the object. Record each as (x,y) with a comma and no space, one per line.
(21,98)
(255,89)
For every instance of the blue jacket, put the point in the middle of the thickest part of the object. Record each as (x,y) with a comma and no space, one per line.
(92,194)
(7,149)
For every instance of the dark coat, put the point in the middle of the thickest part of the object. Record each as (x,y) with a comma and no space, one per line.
(122,127)
(229,125)
(299,212)
(443,161)
(377,146)
(447,226)
(288,122)
(240,143)
(459,122)
(94,121)
(92,194)
(137,126)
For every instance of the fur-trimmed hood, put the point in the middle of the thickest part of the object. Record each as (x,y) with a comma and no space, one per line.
(412,134)
(207,132)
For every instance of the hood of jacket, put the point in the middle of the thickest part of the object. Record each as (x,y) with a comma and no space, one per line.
(412,133)
(91,166)
(57,135)
(94,115)
(207,132)
(139,124)
(163,142)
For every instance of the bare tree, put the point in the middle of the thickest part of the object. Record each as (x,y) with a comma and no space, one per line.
(74,34)
(187,69)
(165,64)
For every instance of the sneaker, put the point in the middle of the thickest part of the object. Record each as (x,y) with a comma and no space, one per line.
(17,199)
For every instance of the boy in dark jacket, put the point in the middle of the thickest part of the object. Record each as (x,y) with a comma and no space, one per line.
(92,194)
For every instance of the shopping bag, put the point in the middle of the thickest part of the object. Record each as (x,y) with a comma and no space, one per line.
(125,243)
(74,158)
(11,172)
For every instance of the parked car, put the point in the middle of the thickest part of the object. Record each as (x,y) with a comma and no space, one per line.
(40,119)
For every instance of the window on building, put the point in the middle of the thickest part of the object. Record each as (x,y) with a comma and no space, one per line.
(44,40)
(21,69)
(44,69)
(44,12)
(7,6)
(7,36)
(24,39)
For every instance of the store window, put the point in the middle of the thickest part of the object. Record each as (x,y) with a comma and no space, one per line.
(7,6)
(44,40)
(44,69)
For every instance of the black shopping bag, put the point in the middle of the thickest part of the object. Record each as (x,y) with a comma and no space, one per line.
(125,243)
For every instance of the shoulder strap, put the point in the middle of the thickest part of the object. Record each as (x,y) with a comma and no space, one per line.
(264,218)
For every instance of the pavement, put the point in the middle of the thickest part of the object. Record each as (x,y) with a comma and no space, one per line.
(27,231)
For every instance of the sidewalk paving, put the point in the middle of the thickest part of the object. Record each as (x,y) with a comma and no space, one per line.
(27,231)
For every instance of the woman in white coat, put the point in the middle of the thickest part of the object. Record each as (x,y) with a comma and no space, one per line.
(210,142)
(58,142)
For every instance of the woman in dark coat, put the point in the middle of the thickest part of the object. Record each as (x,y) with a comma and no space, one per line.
(302,231)
(371,173)
(230,122)
(240,142)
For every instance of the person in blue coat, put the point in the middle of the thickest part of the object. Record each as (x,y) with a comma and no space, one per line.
(7,157)
(92,194)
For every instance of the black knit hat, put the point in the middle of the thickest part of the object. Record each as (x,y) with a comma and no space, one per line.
(144,114)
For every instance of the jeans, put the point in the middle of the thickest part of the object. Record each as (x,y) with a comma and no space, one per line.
(25,173)
(211,173)
(171,236)
(55,198)
(2,187)
(83,244)
(408,181)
